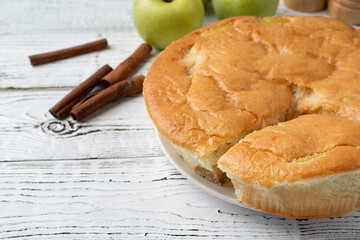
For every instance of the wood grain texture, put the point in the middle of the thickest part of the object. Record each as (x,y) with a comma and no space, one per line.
(105,177)
(29,132)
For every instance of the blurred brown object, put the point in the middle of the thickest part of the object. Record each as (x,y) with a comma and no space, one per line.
(306,5)
(347,11)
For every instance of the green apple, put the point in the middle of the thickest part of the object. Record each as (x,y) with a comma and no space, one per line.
(159,22)
(230,8)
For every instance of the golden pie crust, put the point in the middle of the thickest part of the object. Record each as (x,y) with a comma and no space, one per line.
(211,88)
(224,78)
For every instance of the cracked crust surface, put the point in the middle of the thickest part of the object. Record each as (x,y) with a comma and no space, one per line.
(215,85)
(306,147)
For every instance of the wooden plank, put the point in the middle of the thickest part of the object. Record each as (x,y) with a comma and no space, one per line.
(17,72)
(112,198)
(121,129)
(31,106)
(40,16)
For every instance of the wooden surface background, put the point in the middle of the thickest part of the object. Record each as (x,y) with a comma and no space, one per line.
(105,177)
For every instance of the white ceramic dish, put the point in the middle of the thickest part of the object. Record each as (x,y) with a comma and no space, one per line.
(224,192)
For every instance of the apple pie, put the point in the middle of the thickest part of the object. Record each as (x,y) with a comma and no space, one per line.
(210,89)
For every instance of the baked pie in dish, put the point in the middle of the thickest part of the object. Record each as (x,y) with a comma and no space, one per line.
(209,90)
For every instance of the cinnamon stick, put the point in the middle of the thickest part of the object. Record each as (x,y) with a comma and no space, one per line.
(62,109)
(68,52)
(90,95)
(120,89)
(128,66)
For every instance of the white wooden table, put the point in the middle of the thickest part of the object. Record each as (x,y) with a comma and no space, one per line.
(105,177)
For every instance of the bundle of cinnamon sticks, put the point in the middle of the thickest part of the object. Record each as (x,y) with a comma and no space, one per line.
(114,84)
